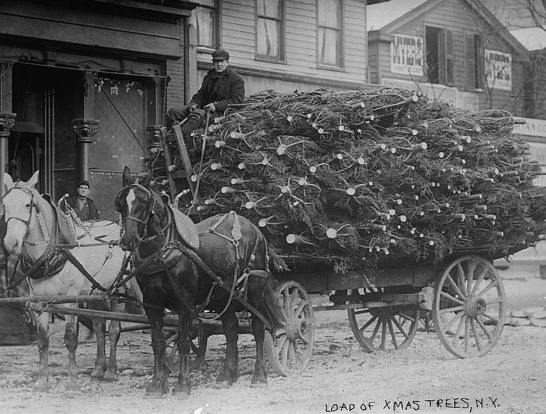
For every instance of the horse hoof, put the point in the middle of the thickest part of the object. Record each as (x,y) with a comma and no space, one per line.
(110,376)
(222,384)
(258,384)
(41,386)
(180,393)
(97,375)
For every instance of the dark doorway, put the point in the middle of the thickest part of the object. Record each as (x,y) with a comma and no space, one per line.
(433,36)
(46,100)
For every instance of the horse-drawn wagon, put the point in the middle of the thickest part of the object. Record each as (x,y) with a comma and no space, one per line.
(379,214)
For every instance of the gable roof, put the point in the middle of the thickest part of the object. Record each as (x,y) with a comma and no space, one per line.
(532,38)
(388,17)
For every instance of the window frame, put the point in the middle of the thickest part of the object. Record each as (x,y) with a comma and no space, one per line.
(281,20)
(443,37)
(340,29)
(216,26)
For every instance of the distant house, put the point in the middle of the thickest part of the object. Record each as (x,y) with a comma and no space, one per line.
(286,44)
(456,50)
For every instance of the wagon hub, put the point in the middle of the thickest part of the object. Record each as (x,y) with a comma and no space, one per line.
(294,328)
(475,306)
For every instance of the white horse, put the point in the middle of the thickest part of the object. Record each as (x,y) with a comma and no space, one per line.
(39,234)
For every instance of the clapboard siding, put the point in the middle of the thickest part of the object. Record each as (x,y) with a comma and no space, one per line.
(238,35)
(458,17)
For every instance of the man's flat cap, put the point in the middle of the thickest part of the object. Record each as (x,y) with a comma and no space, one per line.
(220,54)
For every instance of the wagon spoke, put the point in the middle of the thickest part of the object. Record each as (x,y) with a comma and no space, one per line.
(294,296)
(479,280)
(375,331)
(391,330)
(363,328)
(383,333)
(491,285)
(284,351)
(300,307)
(460,288)
(453,299)
(452,321)
(466,333)
(484,329)
(459,329)
(475,333)
(455,287)
(400,327)
(407,317)
(453,309)
(470,268)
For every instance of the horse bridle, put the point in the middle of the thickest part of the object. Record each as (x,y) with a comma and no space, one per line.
(32,204)
(151,210)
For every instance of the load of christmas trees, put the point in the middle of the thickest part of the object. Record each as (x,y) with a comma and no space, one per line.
(360,176)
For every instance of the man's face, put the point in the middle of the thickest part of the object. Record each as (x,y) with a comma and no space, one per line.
(83,190)
(220,65)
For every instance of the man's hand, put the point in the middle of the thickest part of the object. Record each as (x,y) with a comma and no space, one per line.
(193,107)
(210,107)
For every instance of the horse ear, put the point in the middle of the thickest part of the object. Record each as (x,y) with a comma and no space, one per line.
(127,178)
(8,181)
(33,180)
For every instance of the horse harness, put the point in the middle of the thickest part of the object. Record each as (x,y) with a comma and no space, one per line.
(237,289)
(56,254)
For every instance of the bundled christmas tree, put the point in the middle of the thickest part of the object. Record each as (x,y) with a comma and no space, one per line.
(358,176)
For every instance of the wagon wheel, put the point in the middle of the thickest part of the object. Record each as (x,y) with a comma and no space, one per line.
(385,328)
(469,306)
(293,342)
(198,344)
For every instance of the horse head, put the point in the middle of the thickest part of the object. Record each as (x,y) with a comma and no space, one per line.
(139,206)
(19,212)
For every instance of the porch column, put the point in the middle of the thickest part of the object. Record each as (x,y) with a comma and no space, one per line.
(85,130)
(7,120)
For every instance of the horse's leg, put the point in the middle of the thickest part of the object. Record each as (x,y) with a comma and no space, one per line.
(159,384)
(42,320)
(183,387)
(71,343)
(229,373)
(99,326)
(114,330)
(260,371)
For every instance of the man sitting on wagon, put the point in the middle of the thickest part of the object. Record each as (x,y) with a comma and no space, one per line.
(221,87)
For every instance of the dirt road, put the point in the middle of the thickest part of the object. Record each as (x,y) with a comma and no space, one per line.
(340,378)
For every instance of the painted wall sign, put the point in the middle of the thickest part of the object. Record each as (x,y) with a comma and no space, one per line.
(407,55)
(498,69)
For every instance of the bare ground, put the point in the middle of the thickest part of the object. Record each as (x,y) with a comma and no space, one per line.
(422,378)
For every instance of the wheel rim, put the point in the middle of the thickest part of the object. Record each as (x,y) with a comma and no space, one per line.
(294,341)
(469,307)
(384,329)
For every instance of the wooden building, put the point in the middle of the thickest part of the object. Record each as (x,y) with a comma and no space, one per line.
(86,79)
(455,50)
(286,45)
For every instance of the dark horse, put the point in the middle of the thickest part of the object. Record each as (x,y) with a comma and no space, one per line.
(189,268)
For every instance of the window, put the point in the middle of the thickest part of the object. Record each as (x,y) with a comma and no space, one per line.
(474,59)
(270,30)
(329,32)
(440,59)
(204,18)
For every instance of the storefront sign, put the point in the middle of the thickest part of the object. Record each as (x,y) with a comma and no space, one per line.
(498,70)
(407,55)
